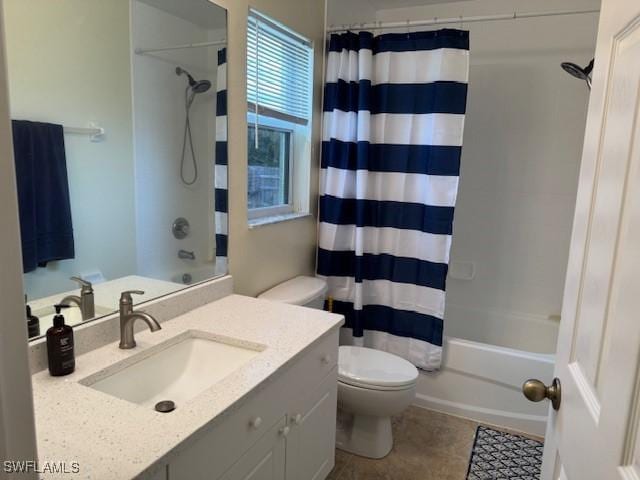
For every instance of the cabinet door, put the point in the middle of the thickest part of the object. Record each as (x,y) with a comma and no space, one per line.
(312,439)
(265,460)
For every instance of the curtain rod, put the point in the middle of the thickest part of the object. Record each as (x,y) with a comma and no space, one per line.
(355,27)
(96,133)
(142,51)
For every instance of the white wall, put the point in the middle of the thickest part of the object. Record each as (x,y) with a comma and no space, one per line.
(68,63)
(522,147)
(17,429)
(159,118)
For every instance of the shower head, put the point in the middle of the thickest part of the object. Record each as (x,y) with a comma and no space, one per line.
(579,72)
(201,86)
(197,86)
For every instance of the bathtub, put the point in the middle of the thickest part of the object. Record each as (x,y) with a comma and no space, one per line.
(486,358)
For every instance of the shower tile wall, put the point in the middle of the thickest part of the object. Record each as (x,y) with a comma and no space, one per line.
(522,147)
(159,116)
(519,174)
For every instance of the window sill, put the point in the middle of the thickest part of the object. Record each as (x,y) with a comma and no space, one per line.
(259,222)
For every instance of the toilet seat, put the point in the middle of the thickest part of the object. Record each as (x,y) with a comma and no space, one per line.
(377,388)
(374,369)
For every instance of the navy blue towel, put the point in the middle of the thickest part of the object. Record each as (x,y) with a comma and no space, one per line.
(43,193)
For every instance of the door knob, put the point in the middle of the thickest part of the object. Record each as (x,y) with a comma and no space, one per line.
(537,391)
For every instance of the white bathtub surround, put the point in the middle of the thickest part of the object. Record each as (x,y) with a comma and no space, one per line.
(517,330)
(77,423)
(94,334)
(484,382)
(488,355)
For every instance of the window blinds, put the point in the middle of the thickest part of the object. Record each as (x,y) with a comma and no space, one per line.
(279,66)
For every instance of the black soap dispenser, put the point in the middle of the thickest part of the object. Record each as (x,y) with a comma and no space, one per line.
(62,360)
(33,324)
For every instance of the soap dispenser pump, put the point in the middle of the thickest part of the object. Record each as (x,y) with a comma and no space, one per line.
(60,350)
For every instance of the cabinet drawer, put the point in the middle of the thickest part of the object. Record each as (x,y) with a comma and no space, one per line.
(210,453)
(315,364)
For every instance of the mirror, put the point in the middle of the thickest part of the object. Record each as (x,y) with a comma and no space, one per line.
(119,126)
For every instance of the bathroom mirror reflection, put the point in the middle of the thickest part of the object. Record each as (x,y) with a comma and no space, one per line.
(119,125)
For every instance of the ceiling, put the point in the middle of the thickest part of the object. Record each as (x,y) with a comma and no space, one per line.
(199,12)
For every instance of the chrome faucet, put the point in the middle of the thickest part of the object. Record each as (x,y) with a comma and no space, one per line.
(84,301)
(128,317)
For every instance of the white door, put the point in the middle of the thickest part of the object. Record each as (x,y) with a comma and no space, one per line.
(594,434)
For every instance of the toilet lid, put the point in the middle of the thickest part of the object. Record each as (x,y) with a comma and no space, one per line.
(297,291)
(366,367)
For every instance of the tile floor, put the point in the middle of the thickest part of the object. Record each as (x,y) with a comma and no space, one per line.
(427,446)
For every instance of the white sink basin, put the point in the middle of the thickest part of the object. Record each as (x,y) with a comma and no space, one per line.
(182,368)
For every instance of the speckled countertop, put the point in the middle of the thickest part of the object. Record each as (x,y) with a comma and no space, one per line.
(110,438)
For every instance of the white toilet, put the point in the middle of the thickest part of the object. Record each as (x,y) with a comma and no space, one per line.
(372,385)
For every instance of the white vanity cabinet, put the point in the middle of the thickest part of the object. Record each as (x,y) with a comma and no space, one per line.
(311,440)
(284,430)
(266,460)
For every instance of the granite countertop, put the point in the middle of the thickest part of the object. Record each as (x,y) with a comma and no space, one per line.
(111,438)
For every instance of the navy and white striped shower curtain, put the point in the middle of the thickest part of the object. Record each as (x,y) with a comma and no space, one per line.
(392,140)
(220,173)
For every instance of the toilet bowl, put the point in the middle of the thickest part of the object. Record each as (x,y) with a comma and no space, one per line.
(372,385)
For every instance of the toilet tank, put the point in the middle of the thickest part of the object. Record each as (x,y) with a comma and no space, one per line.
(305,291)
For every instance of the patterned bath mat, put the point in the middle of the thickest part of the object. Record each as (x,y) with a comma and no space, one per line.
(504,456)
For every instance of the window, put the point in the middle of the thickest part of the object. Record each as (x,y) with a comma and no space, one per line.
(269,167)
(279,99)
